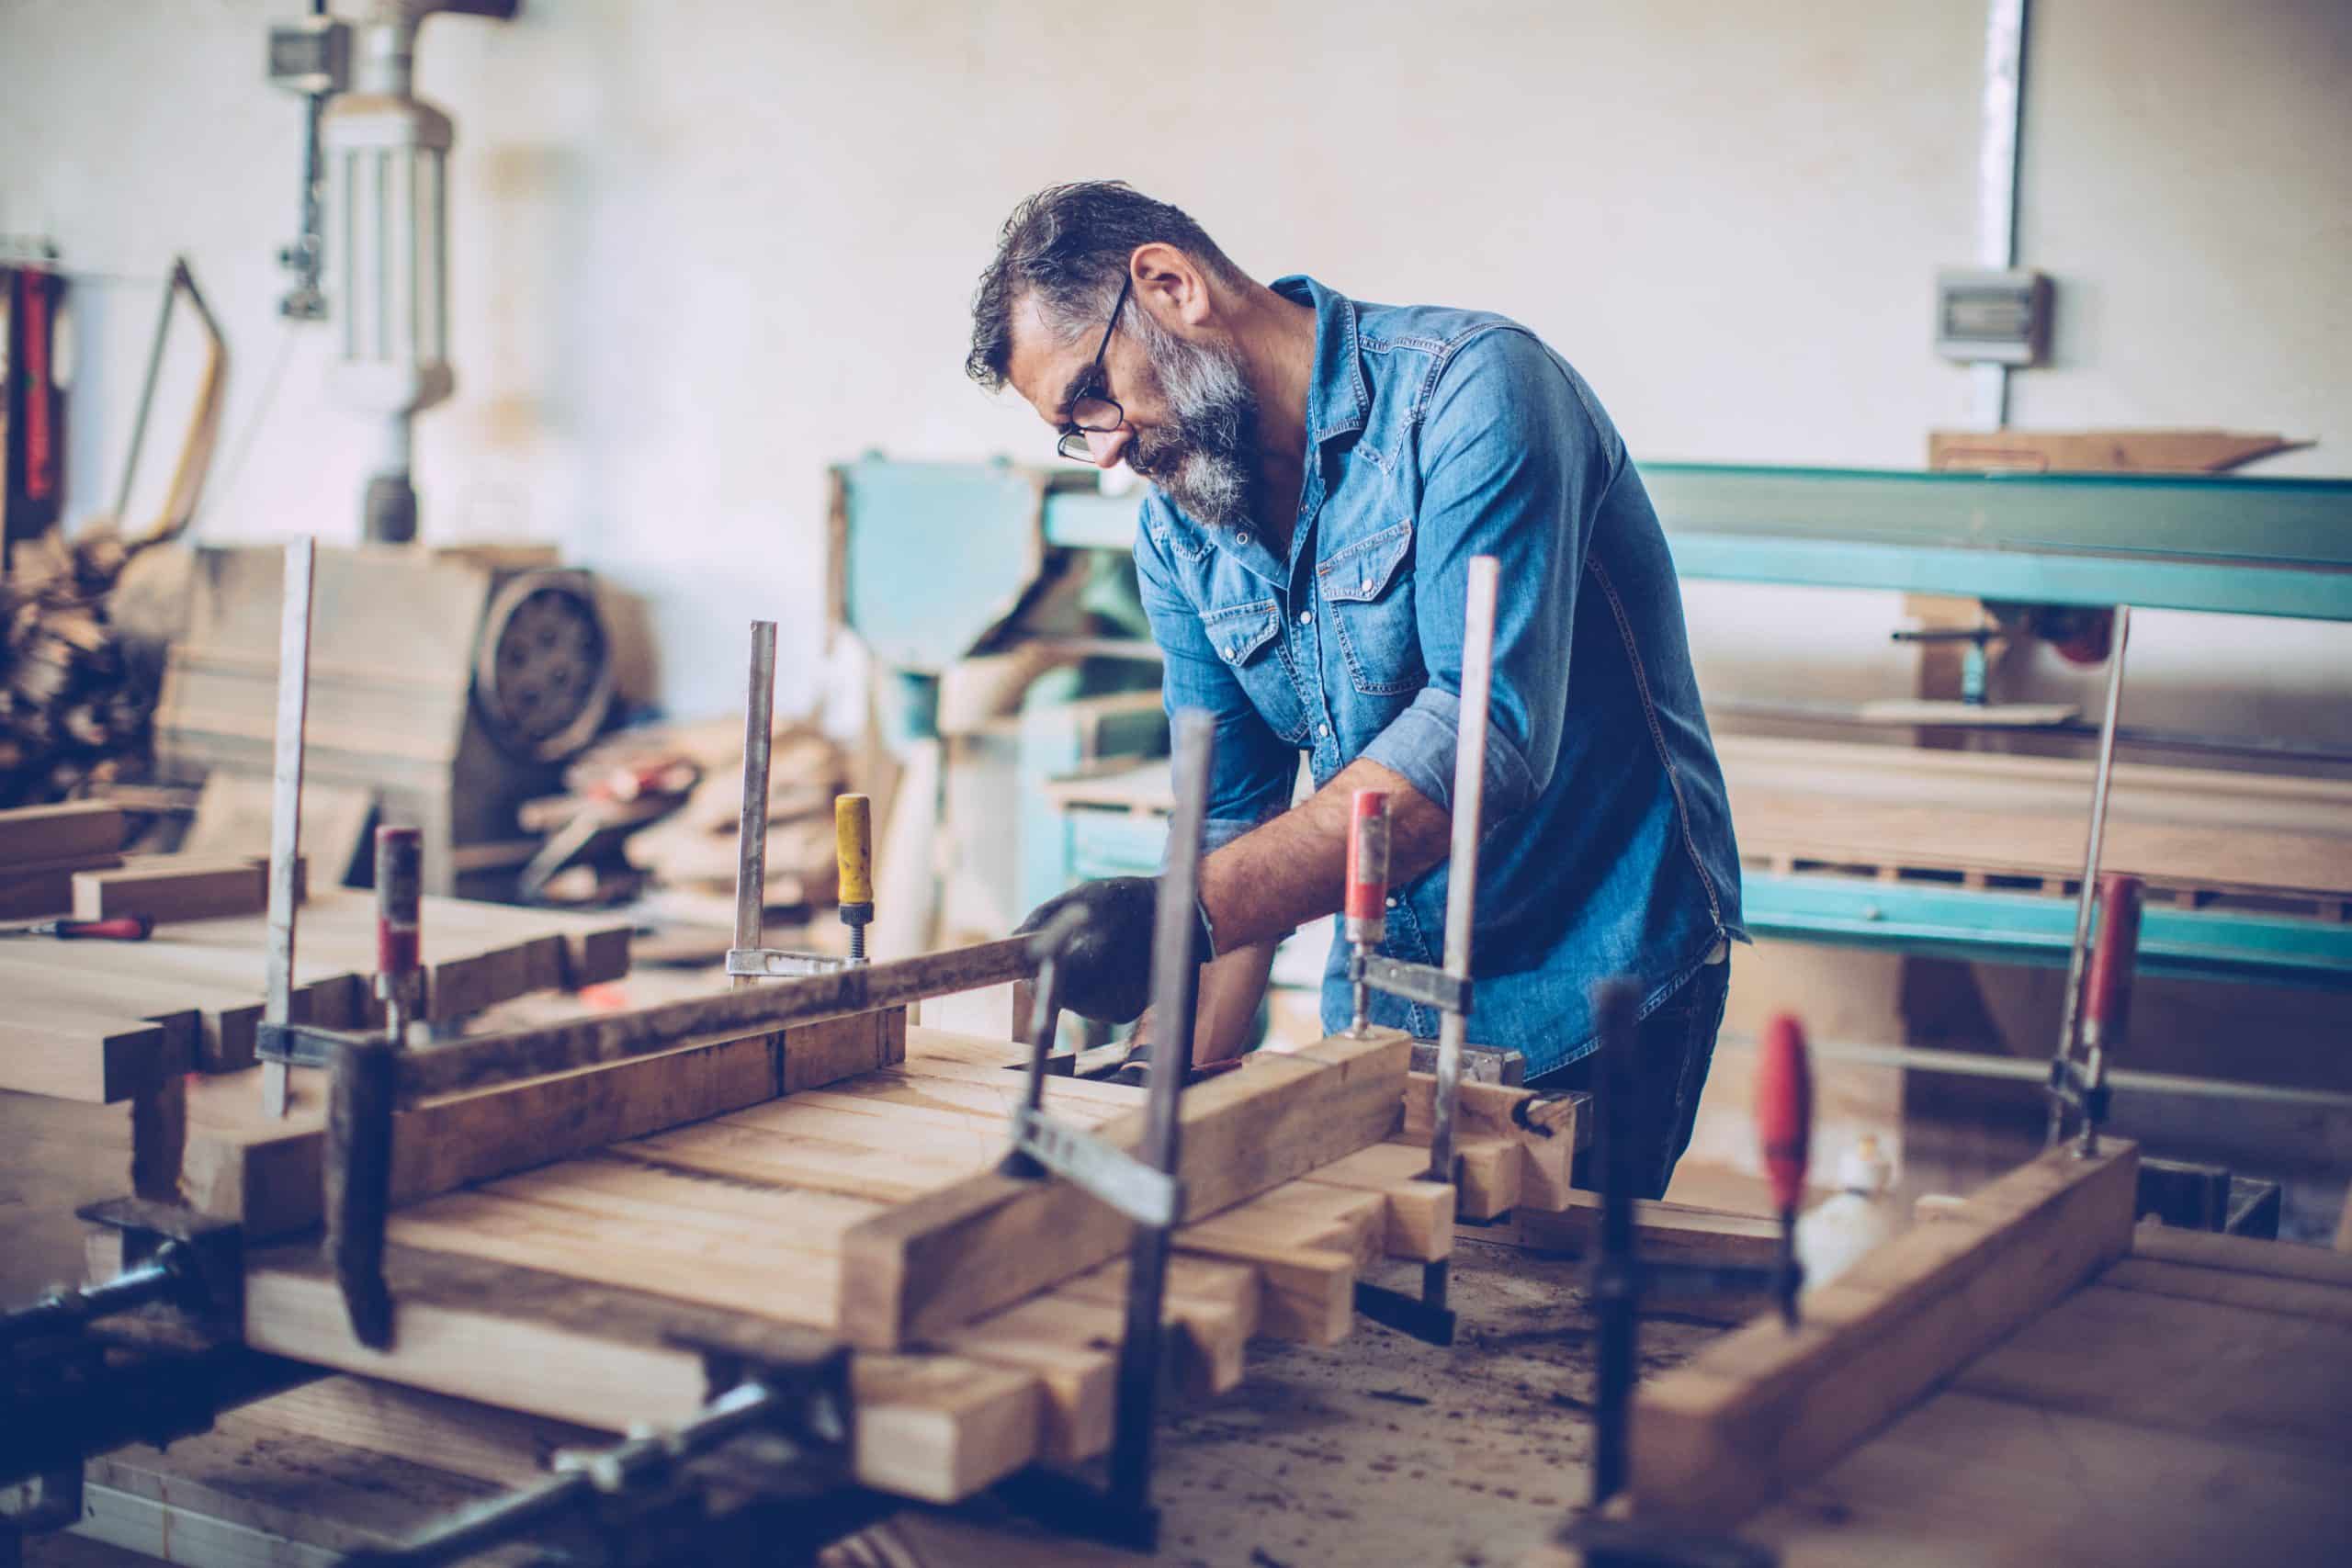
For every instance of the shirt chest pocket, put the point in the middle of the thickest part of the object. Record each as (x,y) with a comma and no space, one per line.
(1369,587)
(1247,636)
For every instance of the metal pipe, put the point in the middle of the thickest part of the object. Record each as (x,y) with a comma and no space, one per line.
(1968,1064)
(147,394)
(2070,1023)
(751,837)
(286,802)
(1616,1277)
(62,1311)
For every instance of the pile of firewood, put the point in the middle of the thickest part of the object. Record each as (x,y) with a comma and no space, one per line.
(75,710)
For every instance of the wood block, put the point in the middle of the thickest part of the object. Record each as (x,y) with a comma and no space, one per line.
(1071,1346)
(941,1260)
(1217,1305)
(937,1427)
(1308,1243)
(78,829)
(1765,1409)
(178,888)
(92,1059)
(1420,1212)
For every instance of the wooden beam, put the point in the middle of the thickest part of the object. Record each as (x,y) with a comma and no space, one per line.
(178,888)
(935,1428)
(492,1059)
(75,830)
(1662,1230)
(2268,1292)
(941,1259)
(2246,1255)
(98,1061)
(463,1437)
(1308,1243)
(1766,1408)
(265,1171)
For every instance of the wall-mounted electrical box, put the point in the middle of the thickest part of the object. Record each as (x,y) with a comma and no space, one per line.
(1993,317)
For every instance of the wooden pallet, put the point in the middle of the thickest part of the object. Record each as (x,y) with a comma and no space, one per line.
(1981,878)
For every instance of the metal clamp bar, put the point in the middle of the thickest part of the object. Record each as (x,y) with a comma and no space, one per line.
(286,803)
(752,836)
(301,1044)
(1148,1196)
(1423,983)
(2069,1027)
(773,962)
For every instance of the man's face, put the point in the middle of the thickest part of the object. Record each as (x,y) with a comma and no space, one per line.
(1191,425)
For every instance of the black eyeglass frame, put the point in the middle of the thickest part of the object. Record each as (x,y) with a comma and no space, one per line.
(1073,441)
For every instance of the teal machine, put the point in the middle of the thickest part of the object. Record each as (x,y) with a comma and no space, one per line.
(992,536)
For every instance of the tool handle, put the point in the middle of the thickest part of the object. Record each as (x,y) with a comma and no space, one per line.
(2107,989)
(400,919)
(854,848)
(1368,887)
(119,928)
(1784,1108)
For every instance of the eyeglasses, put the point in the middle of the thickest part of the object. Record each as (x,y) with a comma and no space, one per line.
(1097,412)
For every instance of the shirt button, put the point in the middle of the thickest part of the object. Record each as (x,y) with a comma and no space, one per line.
(1366,585)
(1392,901)
(1323,729)
(1307,617)
(1242,537)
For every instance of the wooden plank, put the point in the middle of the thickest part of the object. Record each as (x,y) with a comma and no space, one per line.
(1071,1346)
(943,1260)
(176,887)
(78,829)
(459,1436)
(241,1164)
(2234,1374)
(1218,1305)
(2267,1292)
(1766,1408)
(2247,1255)
(1419,1222)
(937,1427)
(1308,1244)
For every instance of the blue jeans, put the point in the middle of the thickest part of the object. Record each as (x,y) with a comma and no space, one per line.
(1673,1049)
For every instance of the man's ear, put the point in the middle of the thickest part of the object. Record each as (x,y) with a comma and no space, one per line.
(1171,285)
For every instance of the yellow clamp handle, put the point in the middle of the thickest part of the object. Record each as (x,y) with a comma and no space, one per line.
(854,847)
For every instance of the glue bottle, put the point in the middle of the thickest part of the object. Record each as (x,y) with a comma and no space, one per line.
(1835,1234)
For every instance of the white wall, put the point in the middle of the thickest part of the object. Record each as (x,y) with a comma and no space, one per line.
(703,248)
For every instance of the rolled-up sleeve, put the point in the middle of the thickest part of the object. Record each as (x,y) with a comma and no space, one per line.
(1253,771)
(1513,465)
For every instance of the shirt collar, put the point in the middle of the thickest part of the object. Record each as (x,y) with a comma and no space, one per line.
(1337,400)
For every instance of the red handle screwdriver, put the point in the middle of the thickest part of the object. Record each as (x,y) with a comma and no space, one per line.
(121,927)
(1785,1125)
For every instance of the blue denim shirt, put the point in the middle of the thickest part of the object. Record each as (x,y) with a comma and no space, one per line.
(1435,435)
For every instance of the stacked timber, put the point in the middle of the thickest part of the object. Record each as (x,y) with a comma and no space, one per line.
(42,848)
(692,850)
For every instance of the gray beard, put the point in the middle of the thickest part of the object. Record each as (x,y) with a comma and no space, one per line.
(1204,458)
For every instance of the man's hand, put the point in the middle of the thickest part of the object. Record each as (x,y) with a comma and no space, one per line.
(1106,969)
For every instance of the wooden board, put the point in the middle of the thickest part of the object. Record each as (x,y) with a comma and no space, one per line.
(940,1260)
(242,1164)
(80,829)
(179,887)
(1767,1408)
(937,1427)
(2243,1255)
(1511,1145)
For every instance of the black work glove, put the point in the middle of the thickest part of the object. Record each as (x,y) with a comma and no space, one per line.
(1104,970)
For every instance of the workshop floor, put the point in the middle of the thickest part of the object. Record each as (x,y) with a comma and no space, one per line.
(1378,1450)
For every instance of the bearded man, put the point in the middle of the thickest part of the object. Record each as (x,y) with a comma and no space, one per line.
(1323,469)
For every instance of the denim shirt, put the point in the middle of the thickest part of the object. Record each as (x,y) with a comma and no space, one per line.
(1435,435)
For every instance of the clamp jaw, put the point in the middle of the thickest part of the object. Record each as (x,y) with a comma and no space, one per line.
(2079,1083)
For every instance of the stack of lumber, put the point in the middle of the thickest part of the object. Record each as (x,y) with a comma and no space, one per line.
(695,848)
(2026,1379)
(96,1037)
(1983,815)
(836,1177)
(42,848)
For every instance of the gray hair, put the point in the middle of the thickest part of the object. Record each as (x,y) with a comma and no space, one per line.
(1070,246)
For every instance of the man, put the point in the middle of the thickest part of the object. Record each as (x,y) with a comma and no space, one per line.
(1323,472)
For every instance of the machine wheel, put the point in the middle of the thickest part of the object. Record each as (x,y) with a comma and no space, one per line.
(543,666)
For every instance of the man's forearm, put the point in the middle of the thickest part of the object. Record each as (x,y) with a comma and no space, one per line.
(1289,871)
